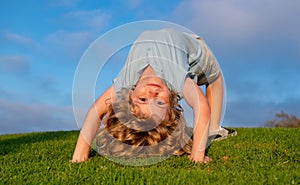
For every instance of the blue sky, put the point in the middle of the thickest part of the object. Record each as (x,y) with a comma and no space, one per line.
(257,44)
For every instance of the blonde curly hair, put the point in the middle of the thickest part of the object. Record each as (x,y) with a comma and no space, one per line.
(126,134)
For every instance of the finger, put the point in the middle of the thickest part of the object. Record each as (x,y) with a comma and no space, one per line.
(191,158)
(207,159)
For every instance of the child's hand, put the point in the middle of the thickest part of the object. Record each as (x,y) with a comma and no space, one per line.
(205,160)
(199,157)
(78,159)
(82,149)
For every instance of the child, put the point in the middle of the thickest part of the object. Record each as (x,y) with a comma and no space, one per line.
(141,111)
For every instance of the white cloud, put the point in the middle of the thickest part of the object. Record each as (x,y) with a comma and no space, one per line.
(17,38)
(68,45)
(87,19)
(16,64)
(215,18)
(85,26)
(20,40)
(257,44)
(19,117)
(254,113)
(240,20)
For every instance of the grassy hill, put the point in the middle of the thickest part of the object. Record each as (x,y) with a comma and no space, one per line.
(255,156)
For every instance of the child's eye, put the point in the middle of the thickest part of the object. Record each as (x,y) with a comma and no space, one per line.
(160,103)
(143,99)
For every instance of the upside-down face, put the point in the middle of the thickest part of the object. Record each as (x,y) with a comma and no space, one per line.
(151,97)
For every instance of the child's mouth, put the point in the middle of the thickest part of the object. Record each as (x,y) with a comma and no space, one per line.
(154,85)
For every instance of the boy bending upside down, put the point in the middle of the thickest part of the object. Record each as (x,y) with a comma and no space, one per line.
(140,111)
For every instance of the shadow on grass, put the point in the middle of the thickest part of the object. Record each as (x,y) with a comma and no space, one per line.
(93,153)
(13,143)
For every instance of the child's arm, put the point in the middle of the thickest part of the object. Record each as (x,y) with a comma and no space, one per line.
(198,102)
(90,126)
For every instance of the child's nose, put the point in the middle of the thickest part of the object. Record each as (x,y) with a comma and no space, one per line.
(153,92)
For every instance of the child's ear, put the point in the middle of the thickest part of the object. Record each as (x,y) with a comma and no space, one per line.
(131,90)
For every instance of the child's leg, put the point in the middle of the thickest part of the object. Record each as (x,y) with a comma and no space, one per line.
(214,94)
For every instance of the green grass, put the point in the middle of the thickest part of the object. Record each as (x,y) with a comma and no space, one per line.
(255,156)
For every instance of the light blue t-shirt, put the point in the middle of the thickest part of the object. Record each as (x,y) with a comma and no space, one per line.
(172,55)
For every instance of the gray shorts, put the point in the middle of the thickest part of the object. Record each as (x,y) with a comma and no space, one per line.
(204,70)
